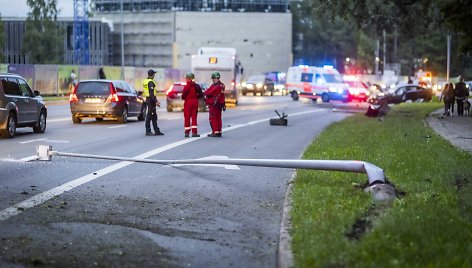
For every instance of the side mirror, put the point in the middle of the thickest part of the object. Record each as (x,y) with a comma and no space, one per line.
(36,93)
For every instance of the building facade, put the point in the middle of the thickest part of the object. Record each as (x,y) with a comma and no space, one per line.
(166,33)
(101,41)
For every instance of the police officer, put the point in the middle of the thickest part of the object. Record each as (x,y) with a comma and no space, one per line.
(149,94)
(191,93)
(215,99)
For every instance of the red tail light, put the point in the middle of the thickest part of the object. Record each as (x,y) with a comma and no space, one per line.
(113,97)
(73,96)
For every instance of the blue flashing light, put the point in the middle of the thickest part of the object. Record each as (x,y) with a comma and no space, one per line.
(328,67)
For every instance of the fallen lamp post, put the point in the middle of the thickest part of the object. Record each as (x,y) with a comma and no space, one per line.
(378,186)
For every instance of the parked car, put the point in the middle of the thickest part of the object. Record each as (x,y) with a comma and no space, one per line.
(403,93)
(174,97)
(101,99)
(258,84)
(20,106)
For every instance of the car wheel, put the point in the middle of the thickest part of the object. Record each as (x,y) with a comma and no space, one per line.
(142,115)
(272,93)
(76,120)
(40,127)
(294,96)
(124,116)
(325,97)
(10,131)
(169,109)
(99,119)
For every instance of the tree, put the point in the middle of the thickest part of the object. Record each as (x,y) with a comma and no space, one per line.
(43,40)
(457,16)
(2,38)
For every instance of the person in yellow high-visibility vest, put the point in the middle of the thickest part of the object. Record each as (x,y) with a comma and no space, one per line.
(150,94)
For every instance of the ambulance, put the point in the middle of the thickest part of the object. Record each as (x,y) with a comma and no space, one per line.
(316,82)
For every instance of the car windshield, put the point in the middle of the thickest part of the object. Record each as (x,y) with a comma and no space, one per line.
(333,78)
(93,88)
(178,88)
(256,79)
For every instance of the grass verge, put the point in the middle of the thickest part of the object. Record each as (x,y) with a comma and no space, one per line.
(336,224)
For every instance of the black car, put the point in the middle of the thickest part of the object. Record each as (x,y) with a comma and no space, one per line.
(403,93)
(258,84)
(20,106)
(101,99)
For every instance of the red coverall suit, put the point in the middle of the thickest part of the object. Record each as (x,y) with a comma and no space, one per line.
(216,101)
(190,97)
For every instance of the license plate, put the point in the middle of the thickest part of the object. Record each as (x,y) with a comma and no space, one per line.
(93,100)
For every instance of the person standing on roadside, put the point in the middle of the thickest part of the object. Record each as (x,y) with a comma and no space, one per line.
(191,93)
(448,95)
(150,95)
(215,99)
(462,93)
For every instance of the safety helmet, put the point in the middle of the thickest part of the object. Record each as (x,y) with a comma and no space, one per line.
(215,75)
(189,76)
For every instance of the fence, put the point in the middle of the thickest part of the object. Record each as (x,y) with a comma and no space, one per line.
(57,80)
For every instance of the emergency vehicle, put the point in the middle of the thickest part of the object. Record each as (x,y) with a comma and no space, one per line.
(316,82)
(222,60)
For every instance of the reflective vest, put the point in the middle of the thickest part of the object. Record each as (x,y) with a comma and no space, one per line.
(146,89)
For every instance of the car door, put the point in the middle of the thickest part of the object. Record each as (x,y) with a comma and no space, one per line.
(133,103)
(399,95)
(31,104)
(13,93)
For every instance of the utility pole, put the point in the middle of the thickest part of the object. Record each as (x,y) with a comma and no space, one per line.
(377,59)
(384,51)
(448,55)
(122,44)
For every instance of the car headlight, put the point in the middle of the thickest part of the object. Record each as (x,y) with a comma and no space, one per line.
(259,85)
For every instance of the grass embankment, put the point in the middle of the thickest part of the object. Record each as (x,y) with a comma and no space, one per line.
(335,224)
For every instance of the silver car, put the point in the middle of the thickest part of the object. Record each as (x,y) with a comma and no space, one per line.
(20,106)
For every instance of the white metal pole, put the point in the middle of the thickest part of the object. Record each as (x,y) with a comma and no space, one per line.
(448,55)
(122,44)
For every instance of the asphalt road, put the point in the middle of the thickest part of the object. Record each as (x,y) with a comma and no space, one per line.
(75,212)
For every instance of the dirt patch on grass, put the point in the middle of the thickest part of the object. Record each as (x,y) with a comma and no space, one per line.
(363,225)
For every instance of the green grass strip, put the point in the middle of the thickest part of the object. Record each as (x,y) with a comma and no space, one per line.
(336,224)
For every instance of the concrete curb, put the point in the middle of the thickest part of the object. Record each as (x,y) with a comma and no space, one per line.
(284,251)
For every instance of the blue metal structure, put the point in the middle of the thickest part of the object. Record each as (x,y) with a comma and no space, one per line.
(81,33)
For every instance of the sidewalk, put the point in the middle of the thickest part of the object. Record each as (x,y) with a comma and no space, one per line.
(457,130)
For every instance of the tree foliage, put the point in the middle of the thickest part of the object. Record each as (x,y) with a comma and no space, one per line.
(43,40)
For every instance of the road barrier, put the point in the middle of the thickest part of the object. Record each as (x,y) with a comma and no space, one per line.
(377,186)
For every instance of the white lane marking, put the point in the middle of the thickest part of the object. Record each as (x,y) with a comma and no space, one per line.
(57,141)
(117,126)
(24,142)
(45,196)
(59,120)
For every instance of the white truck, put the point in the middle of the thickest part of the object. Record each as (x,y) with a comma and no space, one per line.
(222,60)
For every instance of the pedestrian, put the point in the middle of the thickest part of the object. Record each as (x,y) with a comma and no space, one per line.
(215,99)
(448,96)
(191,93)
(149,94)
(101,73)
(462,93)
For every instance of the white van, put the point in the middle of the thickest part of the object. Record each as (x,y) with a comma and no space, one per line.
(316,82)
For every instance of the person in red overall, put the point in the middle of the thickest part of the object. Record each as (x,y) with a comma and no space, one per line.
(215,99)
(192,92)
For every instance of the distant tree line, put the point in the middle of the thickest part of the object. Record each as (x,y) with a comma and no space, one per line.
(331,31)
